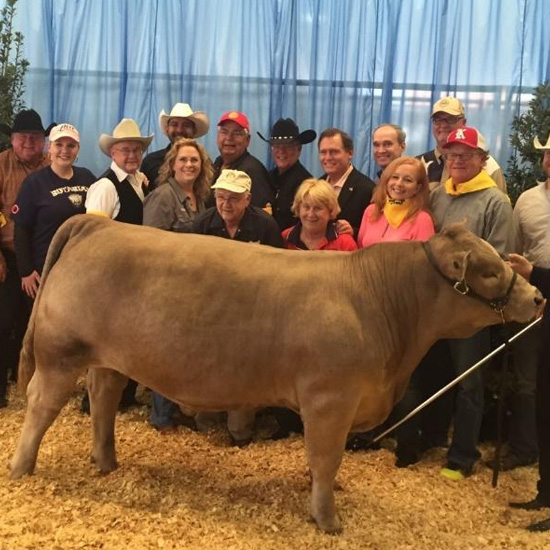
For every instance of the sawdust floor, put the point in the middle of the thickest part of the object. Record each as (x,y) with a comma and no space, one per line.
(193,491)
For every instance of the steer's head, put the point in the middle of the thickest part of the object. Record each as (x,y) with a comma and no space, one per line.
(481,274)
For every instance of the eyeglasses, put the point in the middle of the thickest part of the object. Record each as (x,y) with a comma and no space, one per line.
(127,151)
(231,199)
(446,119)
(459,156)
(232,134)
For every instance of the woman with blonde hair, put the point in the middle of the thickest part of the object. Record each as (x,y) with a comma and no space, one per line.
(316,206)
(399,208)
(183,185)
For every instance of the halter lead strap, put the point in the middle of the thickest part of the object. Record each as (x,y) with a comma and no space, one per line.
(497,304)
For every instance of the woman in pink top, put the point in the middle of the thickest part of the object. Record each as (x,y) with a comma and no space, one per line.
(399,209)
(399,212)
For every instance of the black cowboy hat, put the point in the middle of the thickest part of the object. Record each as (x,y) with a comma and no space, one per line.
(285,130)
(27,120)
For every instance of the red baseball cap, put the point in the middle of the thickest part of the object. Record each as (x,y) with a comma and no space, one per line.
(239,118)
(467,136)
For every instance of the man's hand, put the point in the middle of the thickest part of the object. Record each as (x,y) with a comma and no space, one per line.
(30,284)
(344,227)
(521,265)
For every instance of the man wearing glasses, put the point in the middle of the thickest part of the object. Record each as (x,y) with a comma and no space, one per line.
(470,196)
(448,115)
(233,139)
(234,217)
(120,191)
(119,195)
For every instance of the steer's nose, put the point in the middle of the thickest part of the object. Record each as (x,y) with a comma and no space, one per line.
(538,299)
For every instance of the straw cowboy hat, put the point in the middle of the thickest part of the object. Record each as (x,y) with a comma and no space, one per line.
(539,145)
(183,110)
(126,130)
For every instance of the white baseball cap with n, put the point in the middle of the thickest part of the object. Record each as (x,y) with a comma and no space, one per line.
(449,105)
(64,130)
(234,181)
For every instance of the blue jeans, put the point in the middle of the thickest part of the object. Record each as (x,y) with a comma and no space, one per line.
(162,415)
(469,399)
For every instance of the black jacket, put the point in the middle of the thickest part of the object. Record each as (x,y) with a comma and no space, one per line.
(354,198)
(285,186)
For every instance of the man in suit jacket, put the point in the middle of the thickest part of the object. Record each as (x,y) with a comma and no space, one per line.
(388,144)
(354,189)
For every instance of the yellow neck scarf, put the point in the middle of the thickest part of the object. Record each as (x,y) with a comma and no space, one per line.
(481,181)
(396,211)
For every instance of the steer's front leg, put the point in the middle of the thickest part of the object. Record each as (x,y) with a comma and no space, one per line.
(325,432)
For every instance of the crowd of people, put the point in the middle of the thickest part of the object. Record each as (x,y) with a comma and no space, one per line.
(178,188)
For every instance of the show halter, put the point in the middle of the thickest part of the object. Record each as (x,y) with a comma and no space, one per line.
(498,304)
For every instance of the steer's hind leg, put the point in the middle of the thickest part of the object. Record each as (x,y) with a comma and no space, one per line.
(105,388)
(325,432)
(47,393)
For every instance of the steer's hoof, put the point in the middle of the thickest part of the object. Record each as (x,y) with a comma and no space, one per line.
(104,466)
(240,442)
(17,472)
(329,526)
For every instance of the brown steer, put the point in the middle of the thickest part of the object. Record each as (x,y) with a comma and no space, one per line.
(221,325)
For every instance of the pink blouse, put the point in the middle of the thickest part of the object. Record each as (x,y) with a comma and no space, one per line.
(420,228)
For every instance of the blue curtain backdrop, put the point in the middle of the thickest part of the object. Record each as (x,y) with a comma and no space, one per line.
(352,64)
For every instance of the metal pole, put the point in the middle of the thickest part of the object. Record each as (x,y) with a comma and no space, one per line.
(458,379)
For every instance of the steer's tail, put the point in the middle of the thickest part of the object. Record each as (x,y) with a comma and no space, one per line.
(69,229)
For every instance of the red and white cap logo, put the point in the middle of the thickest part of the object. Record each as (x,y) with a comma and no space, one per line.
(467,136)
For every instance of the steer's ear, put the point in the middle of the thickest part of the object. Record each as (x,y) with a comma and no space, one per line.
(456,264)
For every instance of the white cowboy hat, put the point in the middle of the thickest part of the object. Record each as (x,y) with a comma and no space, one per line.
(183,110)
(126,130)
(539,145)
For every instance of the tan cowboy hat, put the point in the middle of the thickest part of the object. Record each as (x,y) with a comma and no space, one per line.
(126,130)
(539,145)
(183,110)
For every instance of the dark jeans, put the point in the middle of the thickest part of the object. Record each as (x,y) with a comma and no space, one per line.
(430,427)
(522,436)
(162,415)
(14,316)
(469,398)
(543,410)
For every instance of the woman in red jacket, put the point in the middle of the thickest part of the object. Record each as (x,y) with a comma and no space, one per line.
(316,204)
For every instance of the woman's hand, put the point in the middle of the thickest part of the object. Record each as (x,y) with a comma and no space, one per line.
(344,227)
(30,284)
(521,265)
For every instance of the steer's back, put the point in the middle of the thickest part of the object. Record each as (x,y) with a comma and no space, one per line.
(183,310)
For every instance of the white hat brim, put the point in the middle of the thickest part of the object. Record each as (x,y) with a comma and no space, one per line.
(199,119)
(538,145)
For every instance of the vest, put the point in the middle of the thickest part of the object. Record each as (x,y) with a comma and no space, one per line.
(131,207)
